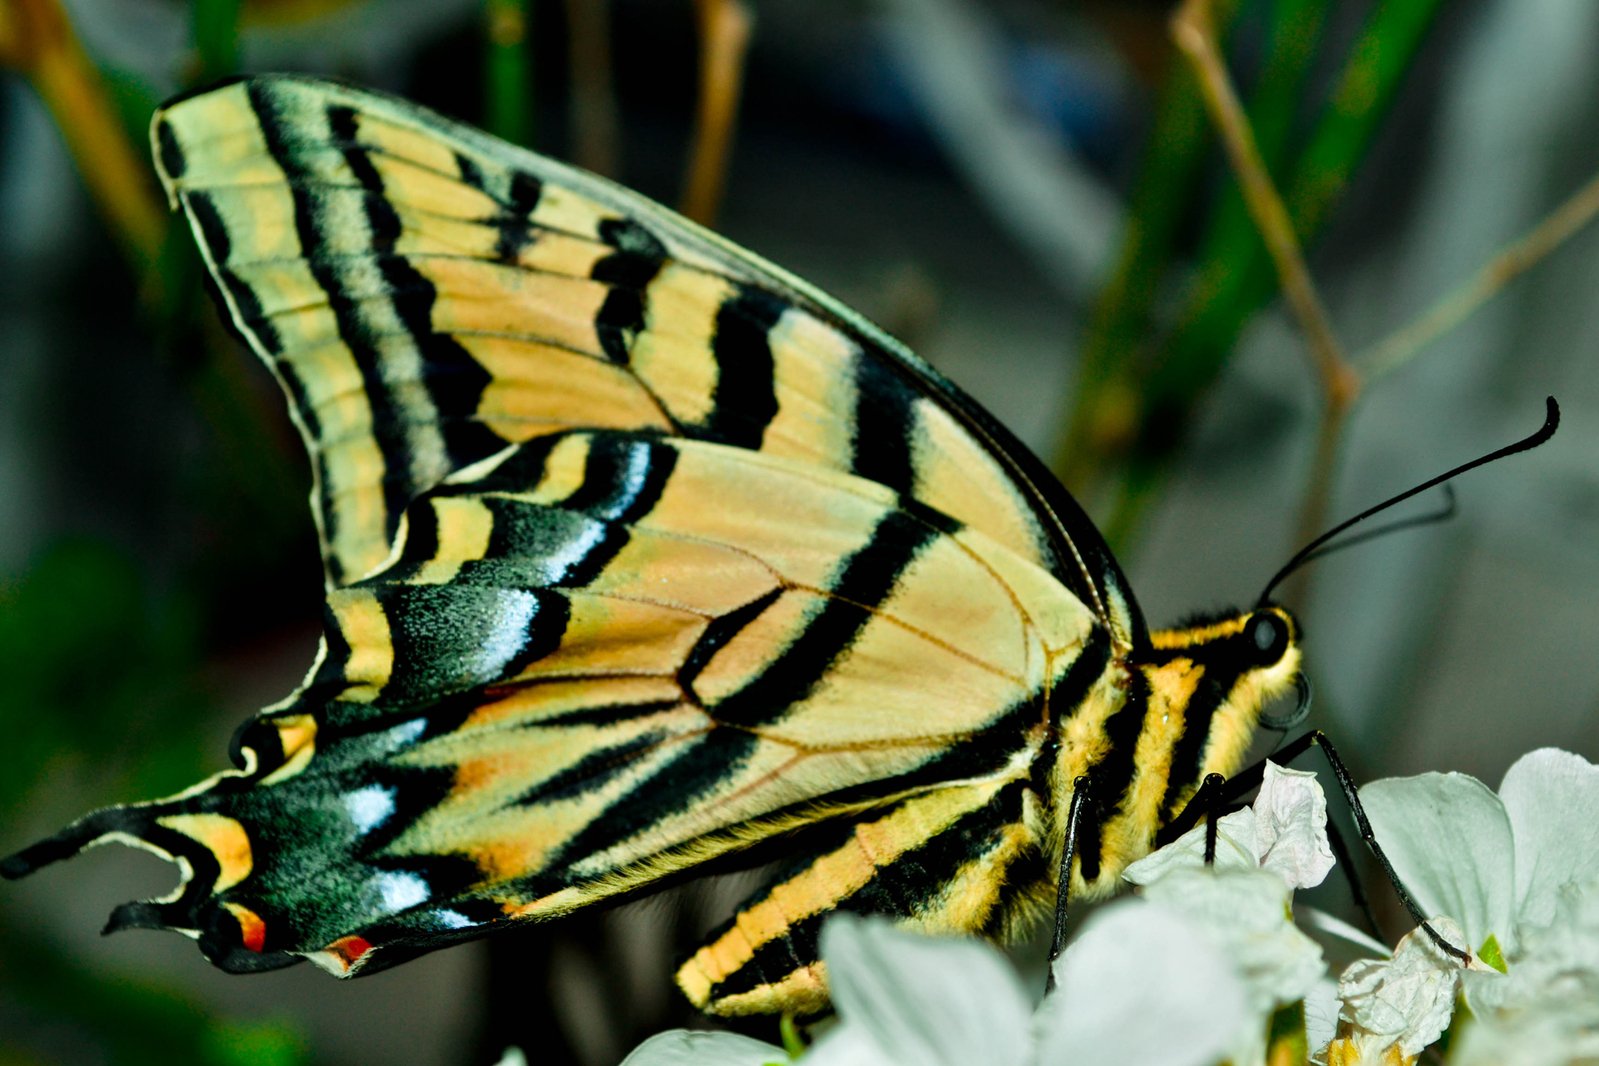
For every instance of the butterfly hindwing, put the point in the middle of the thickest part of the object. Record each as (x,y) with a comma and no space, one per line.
(428,294)
(600,659)
(953,861)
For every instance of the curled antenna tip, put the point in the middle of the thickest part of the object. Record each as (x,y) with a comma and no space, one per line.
(1551,418)
(1551,423)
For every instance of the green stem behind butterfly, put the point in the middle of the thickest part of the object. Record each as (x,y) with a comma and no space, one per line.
(1155,396)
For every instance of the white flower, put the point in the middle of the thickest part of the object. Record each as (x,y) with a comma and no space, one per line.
(1554,1028)
(1143,984)
(1520,871)
(1245,914)
(920,1000)
(1284,831)
(908,1000)
(1546,1008)
(1497,864)
(686,1047)
(1408,999)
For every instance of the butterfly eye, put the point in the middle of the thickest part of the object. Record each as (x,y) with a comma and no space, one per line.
(1268,633)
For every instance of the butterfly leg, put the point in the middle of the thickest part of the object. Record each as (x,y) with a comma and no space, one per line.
(1082,837)
(1248,779)
(956,861)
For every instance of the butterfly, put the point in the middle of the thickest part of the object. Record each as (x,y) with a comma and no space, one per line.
(642,556)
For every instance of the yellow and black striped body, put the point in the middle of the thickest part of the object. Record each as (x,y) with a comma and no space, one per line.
(640,554)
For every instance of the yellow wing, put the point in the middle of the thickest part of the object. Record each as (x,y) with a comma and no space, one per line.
(597,660)
(640,553)
(428,294)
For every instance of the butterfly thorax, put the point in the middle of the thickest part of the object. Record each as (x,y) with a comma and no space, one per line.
(1157,721)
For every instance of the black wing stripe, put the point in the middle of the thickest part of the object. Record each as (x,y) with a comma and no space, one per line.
(386,424)
(884,423)
(900,889)
(744,399)
(629,270)
(677,785)
(864,583)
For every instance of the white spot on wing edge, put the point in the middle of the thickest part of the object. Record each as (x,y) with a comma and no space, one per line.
(401,890)
(508,635)
(369,807)
(574,551)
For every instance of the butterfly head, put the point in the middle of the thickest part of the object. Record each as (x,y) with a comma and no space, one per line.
(1212,680)
(1251,652)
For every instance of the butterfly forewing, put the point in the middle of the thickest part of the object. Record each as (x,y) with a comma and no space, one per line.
(427,295)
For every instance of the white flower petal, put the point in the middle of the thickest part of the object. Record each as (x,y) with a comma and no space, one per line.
(1235,849)
(844,1045)
(684,1047)
(1334,928)
(1552,798)
(1545,1034)
(1555,963)
(1410,998)
(1245,914)
(925,1000)
(1321,1013)
(1449,839)
(1291,827)
(1141,984)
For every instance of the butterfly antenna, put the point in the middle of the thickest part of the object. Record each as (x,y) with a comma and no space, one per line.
(1322,545)
(1442,514)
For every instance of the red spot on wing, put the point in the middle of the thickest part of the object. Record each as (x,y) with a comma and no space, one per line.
(350,949)
(252,930)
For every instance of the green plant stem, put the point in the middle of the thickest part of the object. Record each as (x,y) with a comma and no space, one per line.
(1103,417)
(508,71)
(215,26)
(1216,314)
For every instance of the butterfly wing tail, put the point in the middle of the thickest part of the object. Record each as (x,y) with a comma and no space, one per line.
(211,851)
(125,824)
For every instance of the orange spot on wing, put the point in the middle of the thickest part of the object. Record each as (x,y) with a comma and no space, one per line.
(252,930)
(295,732)
(344,954)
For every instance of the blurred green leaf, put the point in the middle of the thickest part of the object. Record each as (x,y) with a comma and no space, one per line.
(137,1022)
(91,658)
(1137,392)
(1104,415)
(265,1043)
(215,25)
(508,71)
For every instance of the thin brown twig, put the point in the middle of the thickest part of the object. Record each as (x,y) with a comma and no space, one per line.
(37,38)
(724,30)
(1193,29)
(1512,261)
(596,127)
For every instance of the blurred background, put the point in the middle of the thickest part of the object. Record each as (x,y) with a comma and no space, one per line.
(1026,191)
